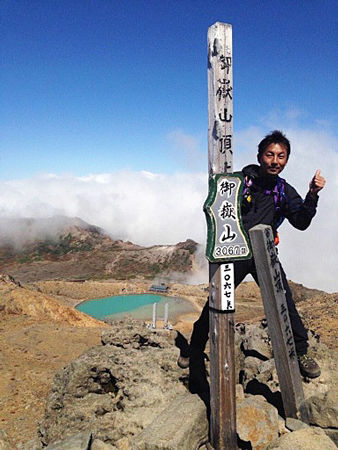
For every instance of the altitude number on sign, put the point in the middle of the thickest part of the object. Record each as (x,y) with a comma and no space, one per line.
(226,250)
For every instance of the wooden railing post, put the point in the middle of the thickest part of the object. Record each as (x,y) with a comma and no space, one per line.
(166,316)
(153,325)
(275,306)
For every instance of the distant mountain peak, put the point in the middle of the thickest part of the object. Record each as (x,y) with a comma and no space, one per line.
(64,247)
(19,232)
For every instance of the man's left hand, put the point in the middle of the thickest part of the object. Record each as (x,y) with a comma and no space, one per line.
(317,183)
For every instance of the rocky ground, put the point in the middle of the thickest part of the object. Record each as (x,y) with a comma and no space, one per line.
(106,400)
(41,333)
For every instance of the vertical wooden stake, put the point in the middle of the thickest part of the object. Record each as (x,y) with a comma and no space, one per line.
(166,315)
(220,152)
(154,315)
(284,350)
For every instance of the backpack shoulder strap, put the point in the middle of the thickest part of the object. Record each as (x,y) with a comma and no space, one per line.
(246,190)
(279,199)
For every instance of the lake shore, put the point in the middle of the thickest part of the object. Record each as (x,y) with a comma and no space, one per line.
(74,293)
(137,306)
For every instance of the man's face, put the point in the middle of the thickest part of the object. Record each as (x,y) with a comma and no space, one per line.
(273,159)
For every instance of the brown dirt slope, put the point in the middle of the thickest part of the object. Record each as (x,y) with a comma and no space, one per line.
(320,314)
(38,336)
(15,299)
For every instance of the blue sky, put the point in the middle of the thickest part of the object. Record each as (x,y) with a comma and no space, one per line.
(90,86)
(103,113)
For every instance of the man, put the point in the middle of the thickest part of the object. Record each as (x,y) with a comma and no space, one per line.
(267,199)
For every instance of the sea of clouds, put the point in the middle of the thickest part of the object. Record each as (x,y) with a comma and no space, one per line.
(155,208)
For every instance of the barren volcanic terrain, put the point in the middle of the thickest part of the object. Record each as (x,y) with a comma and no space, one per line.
(41,331)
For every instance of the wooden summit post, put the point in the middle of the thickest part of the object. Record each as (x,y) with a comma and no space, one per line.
(221,326)
(220,208)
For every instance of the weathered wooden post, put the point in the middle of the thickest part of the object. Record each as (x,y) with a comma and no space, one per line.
(153,325)
(226,239)
(276,311)
(166,316)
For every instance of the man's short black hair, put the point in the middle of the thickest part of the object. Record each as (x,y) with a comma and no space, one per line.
(275,137)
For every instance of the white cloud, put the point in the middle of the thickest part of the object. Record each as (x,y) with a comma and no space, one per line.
(138,206)
(148,208)
(187,149)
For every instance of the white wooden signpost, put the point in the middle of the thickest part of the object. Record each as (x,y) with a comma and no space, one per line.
(226,239)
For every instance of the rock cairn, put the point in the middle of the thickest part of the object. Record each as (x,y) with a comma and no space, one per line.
(129,393)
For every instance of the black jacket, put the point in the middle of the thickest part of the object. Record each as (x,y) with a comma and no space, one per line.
(262,208)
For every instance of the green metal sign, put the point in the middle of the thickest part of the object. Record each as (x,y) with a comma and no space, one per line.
(227,239)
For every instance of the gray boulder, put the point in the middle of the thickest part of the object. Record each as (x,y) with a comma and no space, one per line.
(115,390)
(79,441)
(321,394)
(257,422)
(181,426)
(100,445)
(323,409)
(332,433)
(304,439)
(257,342)
(295,424)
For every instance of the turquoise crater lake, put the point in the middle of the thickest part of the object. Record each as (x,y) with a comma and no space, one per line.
(138,306)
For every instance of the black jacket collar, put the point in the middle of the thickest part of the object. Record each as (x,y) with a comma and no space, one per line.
(252,171)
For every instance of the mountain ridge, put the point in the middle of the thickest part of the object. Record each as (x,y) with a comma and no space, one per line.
(72,248)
